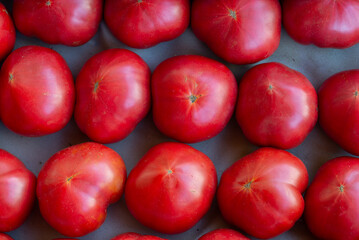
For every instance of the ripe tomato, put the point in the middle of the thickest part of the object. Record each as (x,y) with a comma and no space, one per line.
(67,22)
(339,111)
(113,95)
(171,187)
(332,200)
(17,192)
(8,35)
(261,193)
(77,184)
(3,236)
(277,106)
(223,234)
(329,23)
(193,97)
(135,236)
(37,92)
(238,31)
(145,23)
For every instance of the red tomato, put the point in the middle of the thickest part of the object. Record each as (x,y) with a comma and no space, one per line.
(77,184)
(332,200)
(113,95)
(238,31)
(37,92)
(223,234)
(67,22)
(277,106)
(135,236)
(339,111)
(8,35)
(3,236)
(261,193)
(17,192)
(171,187)
(193,97)
(325,23)
(145,23)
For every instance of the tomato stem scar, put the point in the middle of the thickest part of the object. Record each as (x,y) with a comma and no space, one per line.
(169,171)
(96,86)
(341,188)
(356,93)
(248,185)
(232,13)
(192,98)
(11,77)
(48,3)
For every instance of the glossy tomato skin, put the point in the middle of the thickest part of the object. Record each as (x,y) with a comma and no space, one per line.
(77,184)
(67,22)
(338,109)
(193,97)
(145,23)
(223,234)
(113,95)
(171,187)
(135,236)
(277,106)
(238,31)
(17,192)
(327,24)
(332,200)
(3,236)
(37,92)
(8,34)
(261,192)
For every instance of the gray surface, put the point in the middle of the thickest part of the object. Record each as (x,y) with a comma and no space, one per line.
(317,64)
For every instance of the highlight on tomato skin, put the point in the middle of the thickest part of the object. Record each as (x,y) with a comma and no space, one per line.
(77,184)
(223,234)
(334,196)
(261,193)
(171,187)
(136,236)
(326,24)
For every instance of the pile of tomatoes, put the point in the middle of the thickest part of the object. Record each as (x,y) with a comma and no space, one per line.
(192,99)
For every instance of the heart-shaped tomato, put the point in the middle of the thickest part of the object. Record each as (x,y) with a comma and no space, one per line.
(261,193)
(77,184)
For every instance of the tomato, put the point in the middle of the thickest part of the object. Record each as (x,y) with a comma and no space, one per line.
(64,239)
(338,109)
(76,185)
(332,200)
(261,192)
(277,106)
(145,23)
(238,31)
(223,234)
(171,187)
(135,236)
(193,97)
(113,95)
(8,34)
(67,22)
(325,23)
(37,92)
(17,192)
(3,236)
